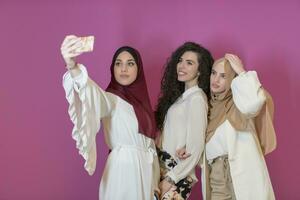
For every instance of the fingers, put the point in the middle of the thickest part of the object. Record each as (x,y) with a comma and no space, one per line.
(186,155)
(71,54)
(182,154)
(231,57)
(173,188)
(68,41)
(157,190)
(235,63)
(71,47)
(179,152)
(75,47)
(165,186)
(68,38)
(71,44)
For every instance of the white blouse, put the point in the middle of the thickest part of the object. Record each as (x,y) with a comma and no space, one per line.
(249,98)
(132,168)
(185,125)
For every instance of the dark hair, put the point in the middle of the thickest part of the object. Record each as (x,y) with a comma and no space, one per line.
(171,88)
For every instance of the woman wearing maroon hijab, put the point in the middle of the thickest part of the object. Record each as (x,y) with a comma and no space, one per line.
(132,169)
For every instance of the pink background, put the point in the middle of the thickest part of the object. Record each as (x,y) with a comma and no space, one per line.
(38,159)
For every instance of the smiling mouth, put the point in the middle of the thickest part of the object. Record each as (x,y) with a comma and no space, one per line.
(180,73)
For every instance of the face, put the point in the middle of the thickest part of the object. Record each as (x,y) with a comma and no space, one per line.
(187,69)
(218,78)
(125,69)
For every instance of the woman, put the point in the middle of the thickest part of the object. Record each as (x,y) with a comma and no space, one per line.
(182,118)
(132,169)
(239,133)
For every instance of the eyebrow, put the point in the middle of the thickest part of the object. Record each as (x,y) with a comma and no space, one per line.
(128,60)
(189,60)
(217,72)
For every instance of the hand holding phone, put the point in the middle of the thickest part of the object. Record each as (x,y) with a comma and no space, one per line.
(87,43)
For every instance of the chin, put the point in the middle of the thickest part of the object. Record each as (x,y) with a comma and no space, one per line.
(181,79)
(213,90)
(217,91)
(124,83)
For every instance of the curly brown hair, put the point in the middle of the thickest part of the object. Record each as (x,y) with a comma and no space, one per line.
(171,88)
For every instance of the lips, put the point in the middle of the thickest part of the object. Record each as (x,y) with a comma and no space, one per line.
(214,85)
(124,76)
(181,73)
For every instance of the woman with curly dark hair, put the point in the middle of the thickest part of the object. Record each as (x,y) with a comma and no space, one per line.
(181,117)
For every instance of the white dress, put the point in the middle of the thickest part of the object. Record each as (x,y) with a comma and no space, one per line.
(132,169)
(248,169)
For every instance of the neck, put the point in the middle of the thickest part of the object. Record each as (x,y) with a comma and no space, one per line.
(190,84)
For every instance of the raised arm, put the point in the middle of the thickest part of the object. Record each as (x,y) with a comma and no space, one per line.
(88,103)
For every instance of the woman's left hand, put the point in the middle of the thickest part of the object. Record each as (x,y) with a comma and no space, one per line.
(165,186)
(235,63)
(182,153)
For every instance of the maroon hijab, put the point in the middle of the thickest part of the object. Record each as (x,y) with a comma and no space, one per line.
(135,94)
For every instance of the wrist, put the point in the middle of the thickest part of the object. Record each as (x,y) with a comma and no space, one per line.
(70,67)
(241,72)
(169,180)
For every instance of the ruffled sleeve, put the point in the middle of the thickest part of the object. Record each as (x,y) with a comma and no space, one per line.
(88,103)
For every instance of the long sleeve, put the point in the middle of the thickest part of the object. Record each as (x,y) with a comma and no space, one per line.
(247,93)
(195,137)
(88,103)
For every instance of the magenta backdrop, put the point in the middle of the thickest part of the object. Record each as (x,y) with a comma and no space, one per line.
(38,159)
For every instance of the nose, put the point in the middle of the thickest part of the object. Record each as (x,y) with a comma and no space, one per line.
(180,65)
(124,68)
(216,78)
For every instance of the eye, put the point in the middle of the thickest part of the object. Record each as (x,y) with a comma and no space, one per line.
(223,76)
(180,60)
(117,63)
(213,73)
(190,63)
(131,64)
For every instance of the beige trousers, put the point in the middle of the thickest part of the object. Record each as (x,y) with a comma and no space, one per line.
(220,179)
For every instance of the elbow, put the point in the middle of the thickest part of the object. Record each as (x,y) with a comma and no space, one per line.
(253,108)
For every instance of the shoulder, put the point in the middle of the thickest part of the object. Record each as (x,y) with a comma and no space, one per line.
(198,96)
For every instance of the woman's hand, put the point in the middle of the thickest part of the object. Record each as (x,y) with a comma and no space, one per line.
(157,193)
(235,63)
(182,153)
(157,140)
(70,49)
(165,186)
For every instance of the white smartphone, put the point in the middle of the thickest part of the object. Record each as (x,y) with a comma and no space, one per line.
(87,43)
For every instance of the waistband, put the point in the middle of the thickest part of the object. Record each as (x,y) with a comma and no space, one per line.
(223,158)
(136,148)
